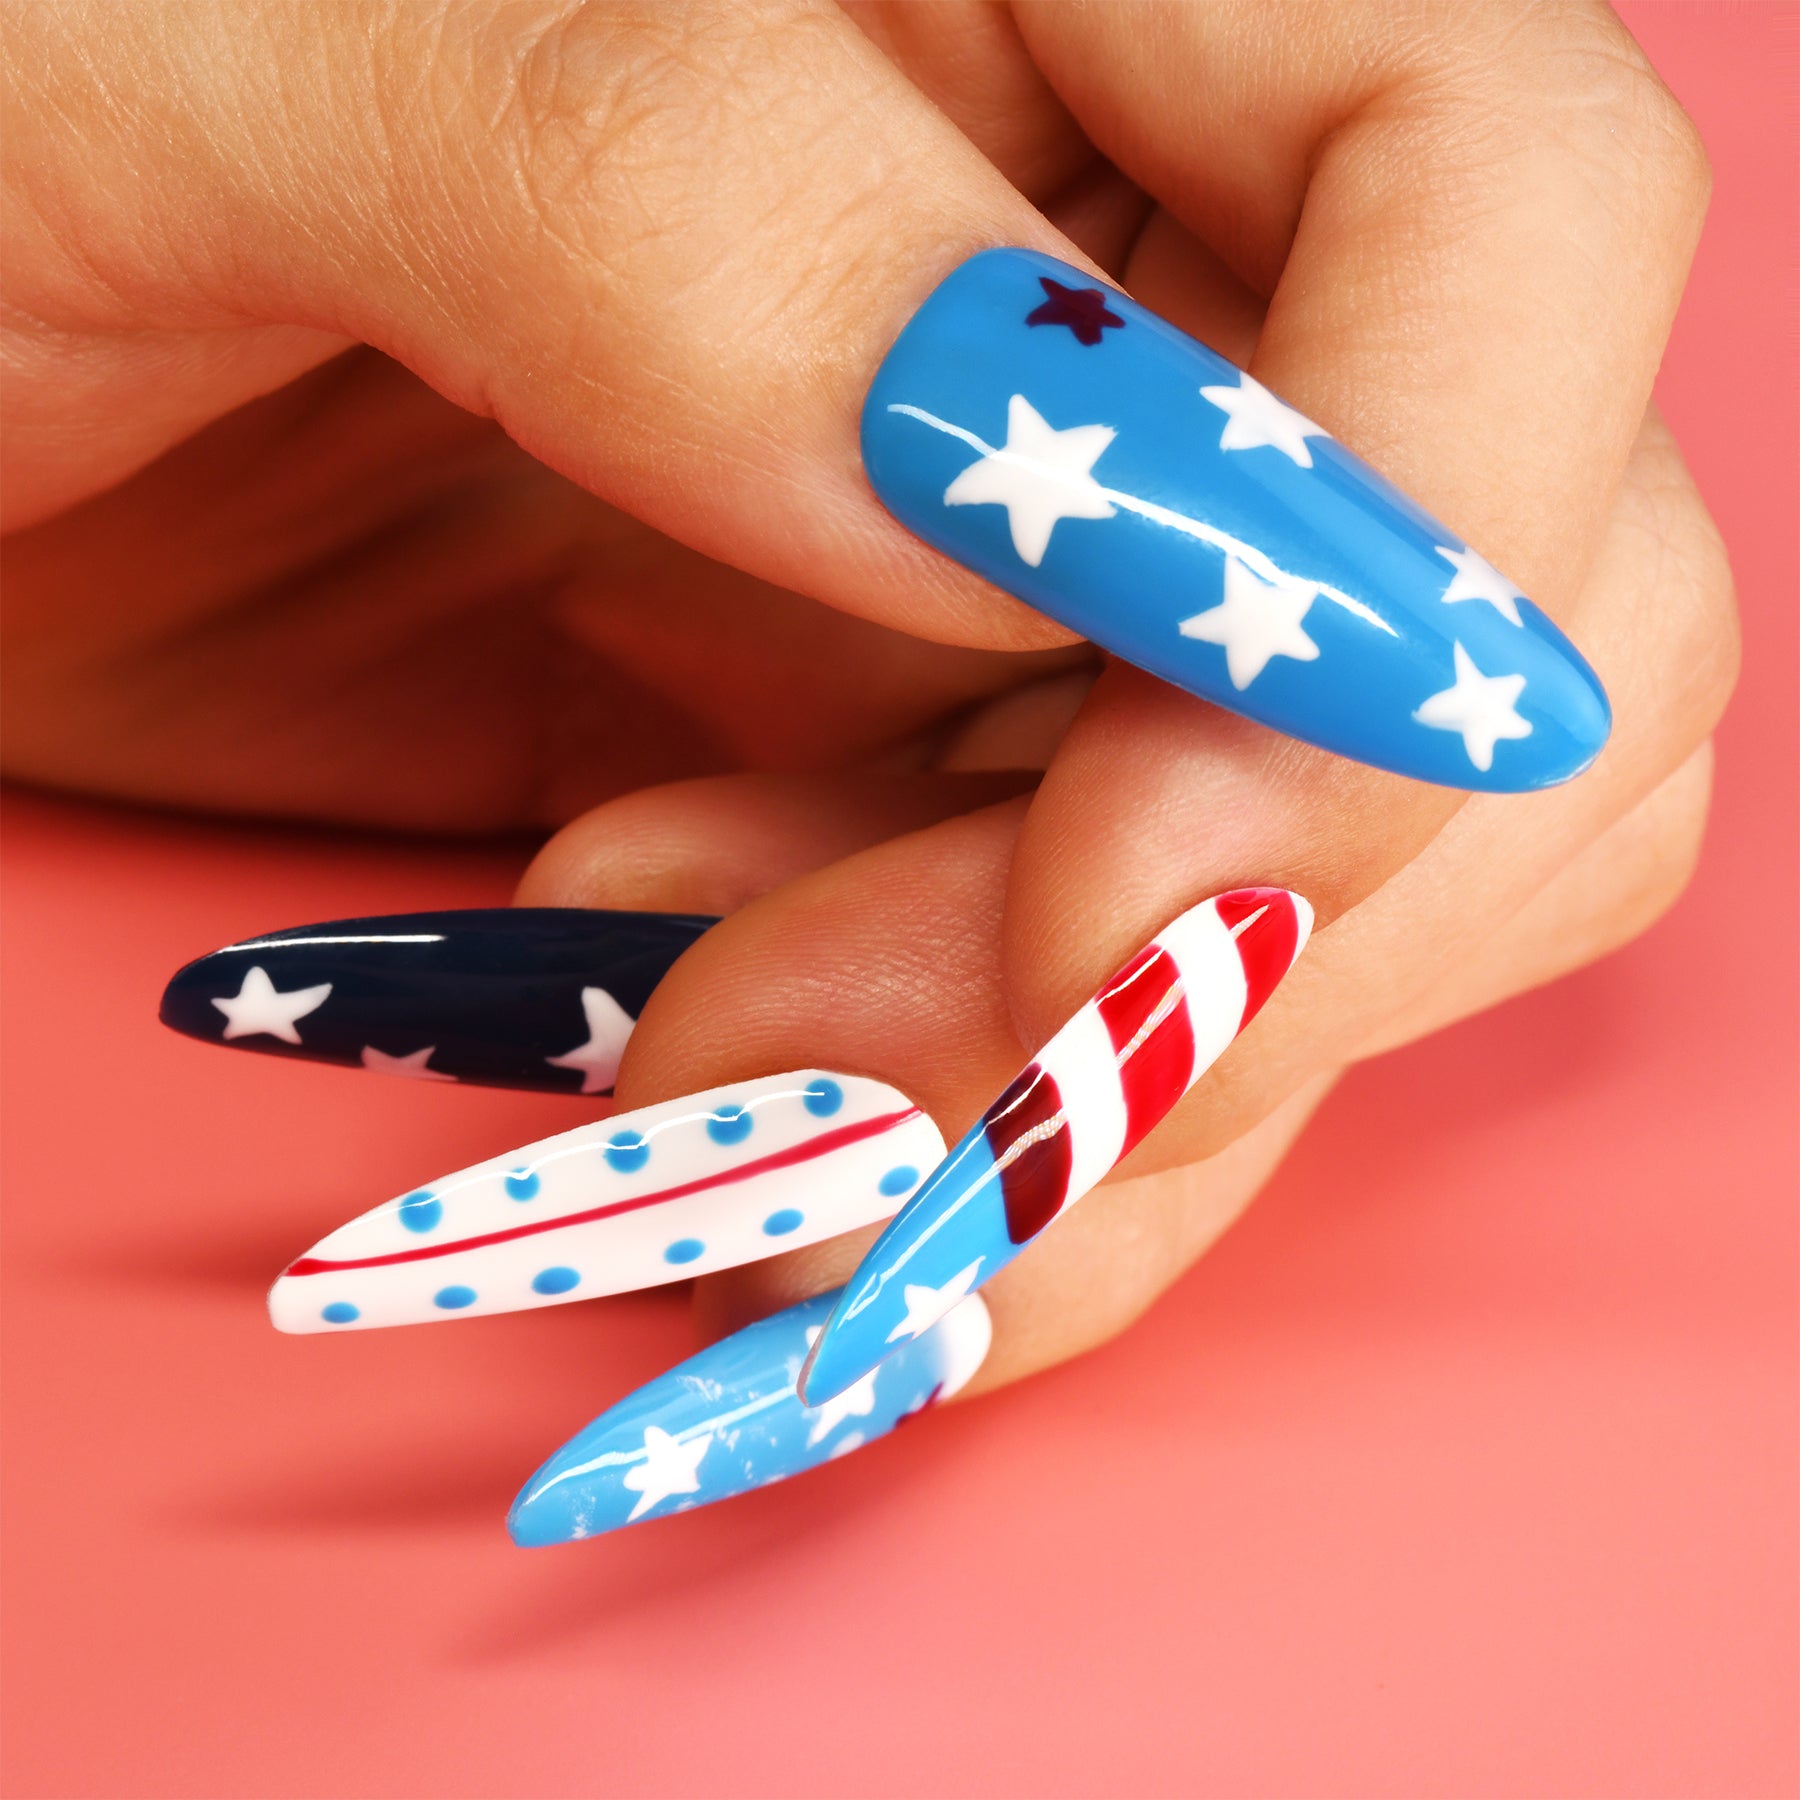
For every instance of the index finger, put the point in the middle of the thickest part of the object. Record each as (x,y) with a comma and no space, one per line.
(1486,221)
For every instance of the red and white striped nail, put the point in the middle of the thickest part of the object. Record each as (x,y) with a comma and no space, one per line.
(1087,1098)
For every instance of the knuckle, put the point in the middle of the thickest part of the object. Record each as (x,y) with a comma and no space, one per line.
(1695,563)
(575,127)
(1655,850)
(633,123)
(647,145)
(601,106)
(1649,147)
(1687,572)
(1680,809)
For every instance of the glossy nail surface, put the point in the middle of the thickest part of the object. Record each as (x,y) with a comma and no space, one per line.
(646,1197)
(729,1420)
(1086,456)
(1089,1096)
(530,997)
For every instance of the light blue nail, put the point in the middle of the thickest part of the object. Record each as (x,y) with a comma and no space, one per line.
(1082,453)
(948,1241)
(729,1420)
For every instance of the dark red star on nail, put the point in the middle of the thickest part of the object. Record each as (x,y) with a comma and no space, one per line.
(930,1400)
(1083,310)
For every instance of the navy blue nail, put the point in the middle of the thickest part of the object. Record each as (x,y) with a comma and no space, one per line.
(529,997)
(1086,456)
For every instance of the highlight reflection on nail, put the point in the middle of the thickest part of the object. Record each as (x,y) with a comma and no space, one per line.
(704,1182)
(524,996)
(729,1420)
(1080,452)
(1088,1097)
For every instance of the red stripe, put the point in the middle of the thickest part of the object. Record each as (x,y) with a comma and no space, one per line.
(1028,1137)
(819,1146)
(1156,1059)
(1266,948)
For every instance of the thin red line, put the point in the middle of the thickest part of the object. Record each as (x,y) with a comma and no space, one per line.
(777,1159)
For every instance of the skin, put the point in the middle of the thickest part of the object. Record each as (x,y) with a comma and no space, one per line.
(444,417)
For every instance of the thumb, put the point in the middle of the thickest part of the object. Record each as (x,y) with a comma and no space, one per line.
(667,263)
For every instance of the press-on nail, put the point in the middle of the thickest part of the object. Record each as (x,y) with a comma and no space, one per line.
(705,1182)
(729,1420)
(1086,456)
(1089,1096)
(532,997)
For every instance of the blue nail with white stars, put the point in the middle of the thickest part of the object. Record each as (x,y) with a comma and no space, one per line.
(1084,455)
(520,996)
(729,1420)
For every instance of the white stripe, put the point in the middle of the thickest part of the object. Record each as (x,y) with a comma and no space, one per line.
(1081,1060)
(963,1336)
(1303,920)
(1213,977)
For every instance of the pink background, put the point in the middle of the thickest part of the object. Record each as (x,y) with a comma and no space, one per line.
(1466,1466)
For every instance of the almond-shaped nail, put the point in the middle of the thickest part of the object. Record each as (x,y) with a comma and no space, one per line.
(524,997)
(705,1182)
(1086,1099)
(1083,454)
(729,1420)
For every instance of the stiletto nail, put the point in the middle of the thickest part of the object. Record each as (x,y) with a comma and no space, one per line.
(1086,456)
(729,1420)
(696,1184)
(530,997)
(1089,1096)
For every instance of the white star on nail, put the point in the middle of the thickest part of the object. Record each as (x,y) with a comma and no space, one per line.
(1258,619)
(1480,707)
(669,1467)
(857,1400)
(1477,579)
(408,1068)
(258,1008)
(926,1305)
(609,1025)
(1040,475)
(1255,418)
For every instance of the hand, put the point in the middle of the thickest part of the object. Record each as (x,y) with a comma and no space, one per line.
(666,252)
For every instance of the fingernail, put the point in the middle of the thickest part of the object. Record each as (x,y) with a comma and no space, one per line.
(528,997)
(729,1420)
(1086,456)
(701,1183)
(1089,1096)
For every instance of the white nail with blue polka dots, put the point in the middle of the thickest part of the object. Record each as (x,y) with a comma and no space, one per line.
(700,1183)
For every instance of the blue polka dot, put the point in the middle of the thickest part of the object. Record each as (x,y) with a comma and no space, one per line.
(684,1250)
(779,1224)
(453,1299)
(898,1181)
(522,1184)
(627,1151)
(420,1211)
(823,1098)
(341,1312)
(730,1124)
(554,1281)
